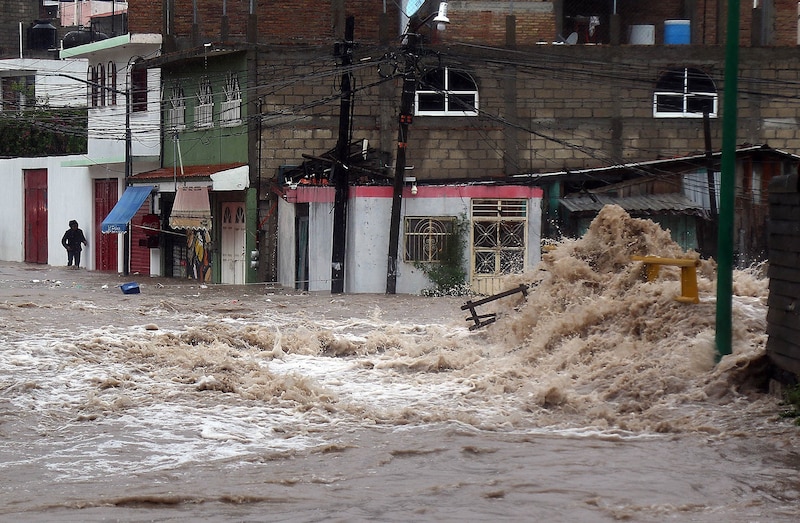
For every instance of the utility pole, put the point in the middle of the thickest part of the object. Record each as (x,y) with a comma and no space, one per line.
(727,183)
(126,237)
(410,51)
(712,184)
(340,168)
(406,110)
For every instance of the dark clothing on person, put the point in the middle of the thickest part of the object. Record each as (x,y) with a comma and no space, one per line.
(73,241)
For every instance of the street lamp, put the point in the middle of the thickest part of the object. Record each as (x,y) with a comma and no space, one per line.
(409,51)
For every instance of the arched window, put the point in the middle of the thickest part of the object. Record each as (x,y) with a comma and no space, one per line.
(683,92)
(101,76)
(176,108)
(138,92)
(112,81)
(446,92)
(91,87)
(204,110)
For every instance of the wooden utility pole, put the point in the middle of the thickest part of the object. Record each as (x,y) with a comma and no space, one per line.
(340,168)
(406,114)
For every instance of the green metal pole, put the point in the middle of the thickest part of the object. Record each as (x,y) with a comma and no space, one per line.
(727,183)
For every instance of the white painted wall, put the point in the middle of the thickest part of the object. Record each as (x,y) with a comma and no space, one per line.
(107,125)
(320,245)
(69,197)
(534,231)
(286,243)
(368,223)
(51,87)
(410,279)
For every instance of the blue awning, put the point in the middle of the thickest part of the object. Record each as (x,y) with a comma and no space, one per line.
(119,217)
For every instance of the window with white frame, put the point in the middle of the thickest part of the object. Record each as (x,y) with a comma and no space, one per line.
(176,108)
(683,92)
(426,238)
(204,110)
(446,92)
(231,108)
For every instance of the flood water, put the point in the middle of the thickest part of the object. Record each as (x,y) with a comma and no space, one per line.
(597,397)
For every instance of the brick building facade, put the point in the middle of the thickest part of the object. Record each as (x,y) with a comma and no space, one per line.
(569,106)
(542,106)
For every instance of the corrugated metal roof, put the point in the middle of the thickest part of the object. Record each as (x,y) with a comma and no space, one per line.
(646,165)
(186,172)
(649,204)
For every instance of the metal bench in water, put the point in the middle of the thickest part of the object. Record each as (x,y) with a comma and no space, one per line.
(481,320)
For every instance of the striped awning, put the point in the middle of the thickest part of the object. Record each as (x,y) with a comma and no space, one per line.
(191,209)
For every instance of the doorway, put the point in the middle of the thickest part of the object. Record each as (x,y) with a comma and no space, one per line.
(36,215)
(233,243)
(106,245)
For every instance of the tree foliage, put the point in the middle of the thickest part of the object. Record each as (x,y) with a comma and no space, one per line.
(43,131)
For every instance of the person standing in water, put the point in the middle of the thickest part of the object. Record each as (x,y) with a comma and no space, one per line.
(73,241)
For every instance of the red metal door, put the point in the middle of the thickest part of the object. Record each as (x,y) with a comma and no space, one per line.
(105,253)
(140,251)
(36,216)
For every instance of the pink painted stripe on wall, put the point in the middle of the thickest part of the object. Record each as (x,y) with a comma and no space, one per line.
(314,194)
(451,191)
(327,194)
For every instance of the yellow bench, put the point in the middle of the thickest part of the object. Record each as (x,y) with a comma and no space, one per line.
(689,293)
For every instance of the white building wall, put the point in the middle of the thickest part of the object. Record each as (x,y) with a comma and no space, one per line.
(368,222)
(69,197)
(52,86)
(534,232)
(286,243)
(320,245)
(411,280)
(107,124)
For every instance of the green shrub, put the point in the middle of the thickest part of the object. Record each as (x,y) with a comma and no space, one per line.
(791,399)
(448,275)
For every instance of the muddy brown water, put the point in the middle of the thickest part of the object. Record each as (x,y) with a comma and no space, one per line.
(597,398)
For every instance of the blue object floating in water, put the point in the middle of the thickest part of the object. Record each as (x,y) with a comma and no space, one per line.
(130,288)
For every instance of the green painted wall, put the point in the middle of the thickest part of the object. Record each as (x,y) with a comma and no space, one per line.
(205,145)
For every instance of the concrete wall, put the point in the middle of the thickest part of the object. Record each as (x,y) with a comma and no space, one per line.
(286,244)
(368,224)
(783,317)
(14,12)
(368,221)
(475,21)
(51,88)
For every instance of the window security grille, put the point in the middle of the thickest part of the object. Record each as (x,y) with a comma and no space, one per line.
(176,109)
(426,239)
(204,110)
(499,236)
(231,107)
